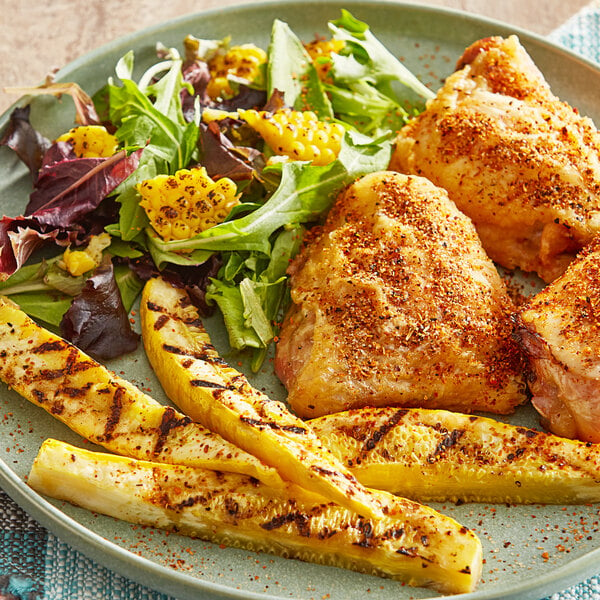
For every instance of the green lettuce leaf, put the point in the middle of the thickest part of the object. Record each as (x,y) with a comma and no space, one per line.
(48,306)
(290,70)
(251,293)
(379,65)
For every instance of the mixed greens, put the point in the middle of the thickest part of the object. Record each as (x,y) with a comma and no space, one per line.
(166,122)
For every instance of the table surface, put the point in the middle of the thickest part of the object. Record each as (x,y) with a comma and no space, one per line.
(37,37)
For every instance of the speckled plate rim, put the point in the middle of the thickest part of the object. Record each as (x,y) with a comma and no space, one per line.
(175,583)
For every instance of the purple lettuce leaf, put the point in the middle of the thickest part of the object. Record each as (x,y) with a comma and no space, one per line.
(197,74)
(68,192)
(69,187)
(246,98)
(29,145)
(222,158)
(193,280)
(19,238)
(275,102)
(97,322)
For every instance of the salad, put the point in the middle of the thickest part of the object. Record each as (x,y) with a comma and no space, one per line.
(208,169)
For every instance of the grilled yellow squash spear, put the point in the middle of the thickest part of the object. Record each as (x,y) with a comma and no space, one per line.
(412,543)
(104,408)
(207,389)
(436,455)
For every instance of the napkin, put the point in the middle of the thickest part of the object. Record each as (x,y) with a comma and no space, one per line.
(34,564)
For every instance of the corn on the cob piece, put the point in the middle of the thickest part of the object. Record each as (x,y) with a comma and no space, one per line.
(242,61)
(105,409)
(296,134)
(436,455)
(90,141)
(412,543)
(183,205)
(320,51)
(207,389)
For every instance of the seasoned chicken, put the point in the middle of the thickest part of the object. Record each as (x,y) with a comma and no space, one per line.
(523,165)
(396,303)
(559,329)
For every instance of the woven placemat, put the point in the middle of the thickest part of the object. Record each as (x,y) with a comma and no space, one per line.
(35,565)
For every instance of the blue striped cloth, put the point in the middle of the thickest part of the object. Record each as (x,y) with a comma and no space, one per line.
(35,565)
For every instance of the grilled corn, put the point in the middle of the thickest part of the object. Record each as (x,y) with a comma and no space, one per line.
(105,409)
(197,380)
(185,204)
(296,134)
(436,455)
(243,62)
(90,141)
(412,543)
(320,51)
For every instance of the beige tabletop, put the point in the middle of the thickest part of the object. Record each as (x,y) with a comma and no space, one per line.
(39,36)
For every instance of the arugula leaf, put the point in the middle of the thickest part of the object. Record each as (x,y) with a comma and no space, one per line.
(251,292)
(380,66)
(27,279)
(366,108)
(290,70)
(37,290)
(48,306)
(123,249)
(129,284)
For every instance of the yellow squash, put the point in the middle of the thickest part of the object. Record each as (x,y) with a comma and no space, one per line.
(412,543)
(204,387)
(104,408)
(436,455)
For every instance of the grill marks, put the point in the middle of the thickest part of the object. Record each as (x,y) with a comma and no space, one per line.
(301,520)
(208,354)
(260,424)
(166,315)
(170,421)
(372,442)
(115,413)
(50,347)
(208,384)
(449,440)
(161,322)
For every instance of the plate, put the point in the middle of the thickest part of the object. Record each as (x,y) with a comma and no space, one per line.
(530,551)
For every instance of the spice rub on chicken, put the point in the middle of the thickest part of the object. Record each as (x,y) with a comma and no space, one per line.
(396,303)
(559,329)
(522,164)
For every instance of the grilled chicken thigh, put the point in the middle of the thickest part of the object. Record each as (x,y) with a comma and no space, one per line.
(523,165)
(560,330)
(396,303)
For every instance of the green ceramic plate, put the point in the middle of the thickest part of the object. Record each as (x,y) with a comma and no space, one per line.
(530,551)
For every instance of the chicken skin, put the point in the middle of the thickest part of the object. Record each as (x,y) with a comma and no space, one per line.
(522,164)
(396,303)
(559,328)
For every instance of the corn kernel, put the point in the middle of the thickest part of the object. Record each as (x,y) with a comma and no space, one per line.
(90,141)
(78,262)
(183,205)
(323,49)
(239,61)
(297,135)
